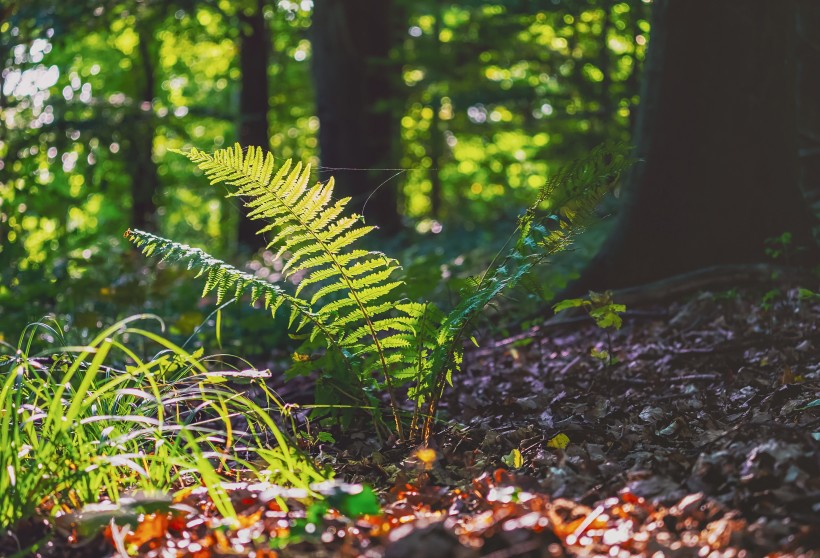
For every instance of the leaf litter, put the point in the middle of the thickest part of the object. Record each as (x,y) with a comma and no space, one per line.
(699,439)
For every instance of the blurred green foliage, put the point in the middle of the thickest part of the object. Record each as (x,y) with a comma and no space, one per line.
(495,95)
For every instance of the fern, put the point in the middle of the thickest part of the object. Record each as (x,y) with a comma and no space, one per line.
(350,306)
(346,297)
(571,196)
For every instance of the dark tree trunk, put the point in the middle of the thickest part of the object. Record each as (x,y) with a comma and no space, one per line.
(716,137)
(355,83)
(254,48)
(808,97)
(139,157)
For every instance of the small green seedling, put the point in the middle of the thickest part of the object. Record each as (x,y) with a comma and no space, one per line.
(607,315)
(780,246)
(768,299)
(777,248)
(808,295)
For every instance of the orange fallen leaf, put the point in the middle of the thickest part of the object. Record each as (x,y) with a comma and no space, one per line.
(152,526)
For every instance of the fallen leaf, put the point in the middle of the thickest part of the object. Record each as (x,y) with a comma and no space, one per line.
(560,441)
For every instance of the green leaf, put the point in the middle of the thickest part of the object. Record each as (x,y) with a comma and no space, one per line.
(514,459)
(604,319)
(807,294)
(353,500)
(569,303)
(600,355)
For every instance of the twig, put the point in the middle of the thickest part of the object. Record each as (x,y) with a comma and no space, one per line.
(569,366)
(695,378)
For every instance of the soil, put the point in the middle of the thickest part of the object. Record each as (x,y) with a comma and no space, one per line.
(700,438)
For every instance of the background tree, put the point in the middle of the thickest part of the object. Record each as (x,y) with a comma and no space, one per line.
(808,92)
(356,101)
(717,142)
(254,97)
(139,144)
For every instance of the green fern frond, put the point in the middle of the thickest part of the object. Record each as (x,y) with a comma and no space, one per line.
(221,277)
(571,196)
(309,231)
(350,289)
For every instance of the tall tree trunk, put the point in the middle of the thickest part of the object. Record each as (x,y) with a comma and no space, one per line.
(808,94)
(355,84)
(139,157)
(716,140)
(254,103)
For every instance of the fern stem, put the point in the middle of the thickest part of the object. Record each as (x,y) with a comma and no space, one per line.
(420,368)
(438,389)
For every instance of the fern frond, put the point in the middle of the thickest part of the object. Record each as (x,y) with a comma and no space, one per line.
(348,286)
(571,195)
(221,277)
(309,231)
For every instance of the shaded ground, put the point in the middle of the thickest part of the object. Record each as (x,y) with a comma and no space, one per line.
(701,441)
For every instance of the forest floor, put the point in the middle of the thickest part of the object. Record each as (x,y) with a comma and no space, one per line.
(702,440)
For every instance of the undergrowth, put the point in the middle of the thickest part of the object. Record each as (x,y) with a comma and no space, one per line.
(360,334)
(78,422)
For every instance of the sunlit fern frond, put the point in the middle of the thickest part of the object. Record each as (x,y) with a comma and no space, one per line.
(347,286)
(343,292)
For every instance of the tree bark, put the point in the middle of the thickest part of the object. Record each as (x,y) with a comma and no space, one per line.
(808,94)
(355,86)
(716,140)
(144,177)
(254,103)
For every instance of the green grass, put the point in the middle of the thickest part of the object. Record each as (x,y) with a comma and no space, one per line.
(80,424)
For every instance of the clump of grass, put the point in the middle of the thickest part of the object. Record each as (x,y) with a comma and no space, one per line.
(78,424)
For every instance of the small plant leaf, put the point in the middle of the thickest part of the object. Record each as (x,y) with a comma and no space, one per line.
(559,441)
(514,459)
(600,355)
(569,303)
(354,500)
